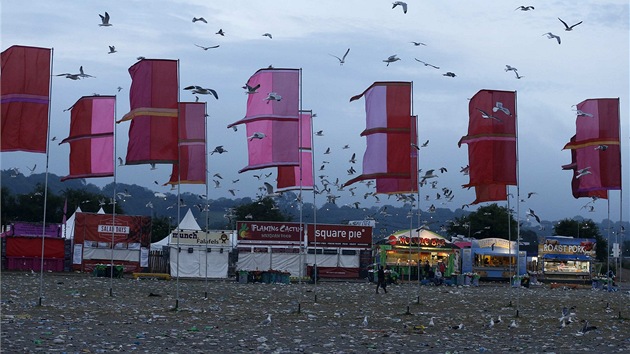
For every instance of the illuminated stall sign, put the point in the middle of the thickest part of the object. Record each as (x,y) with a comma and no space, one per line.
(339,235)
(416,241)
(255,232)
(566,246)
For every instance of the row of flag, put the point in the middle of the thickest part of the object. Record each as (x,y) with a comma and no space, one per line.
(166,131)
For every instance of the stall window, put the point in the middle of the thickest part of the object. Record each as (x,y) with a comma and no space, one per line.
(348,252)
(330,251)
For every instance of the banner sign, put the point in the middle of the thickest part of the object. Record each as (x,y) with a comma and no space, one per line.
(198,237)
(566,245)
(102,227)
(268,232)
(339,235)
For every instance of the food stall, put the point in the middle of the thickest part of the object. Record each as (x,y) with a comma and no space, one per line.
(403,250)
(566,258)
(493,258)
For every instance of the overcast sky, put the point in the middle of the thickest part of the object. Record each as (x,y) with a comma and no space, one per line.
(473,39)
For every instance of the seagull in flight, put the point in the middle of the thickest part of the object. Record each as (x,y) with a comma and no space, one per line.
(517,75)
(551,36)
(202,91)
(195,19)
(425,144)
(499,107)
(402,4)
(583,172)
(82,74)
(112,49)
(256,135)
(524,8)
(250,89)
(485,115)
(342,60)
(105,20)
(601,147)
(219,150)
(510,68)
(319,133)
(120,161)
(567,27)
(267,35)
(428,174)
(206,48)
(582,113)
(391,59)
(531,213)
(272,96)
(417,43)
(220,32)
(427,64)
(449,74)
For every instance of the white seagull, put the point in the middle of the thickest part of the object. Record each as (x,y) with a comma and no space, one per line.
(365,322)
(499,107)
(112,49)
(427,64)
(342,60)
(250,89)
(524,8)
(266,321)
(401,3)
(206,48)
(272,96)
(256,135)
(583,172)
(391,59)
(567,27)
(485,115)
(531,213)
(551,36)
(431,323)
(267,35)
(202,91)
(195,19)
(82,74)
(104,20)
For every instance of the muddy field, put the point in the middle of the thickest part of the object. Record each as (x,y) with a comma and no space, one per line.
(78,315)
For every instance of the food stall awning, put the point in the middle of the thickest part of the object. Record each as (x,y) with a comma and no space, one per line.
(489,252)
(568,257)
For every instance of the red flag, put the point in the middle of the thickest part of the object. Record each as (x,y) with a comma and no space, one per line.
(597,145)
(388,128)
(192,145)
(91,137)
(153,102)
(403,185)
(295,177)
(272,119)
(25,96)
(575,182)
(491,143)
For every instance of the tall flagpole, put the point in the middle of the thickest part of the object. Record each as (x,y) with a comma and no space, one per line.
(620,232)
(111,276)
(518,208)
(206,208)
(41,265)
(178,199)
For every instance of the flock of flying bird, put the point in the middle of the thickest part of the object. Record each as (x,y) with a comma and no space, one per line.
(326,186)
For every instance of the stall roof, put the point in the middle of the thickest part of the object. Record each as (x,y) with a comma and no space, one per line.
(579,257)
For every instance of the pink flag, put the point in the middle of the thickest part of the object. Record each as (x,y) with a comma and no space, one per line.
(403,185)
(91,137)
(295,177)
(153,102)
(25,96)
(596,143)
(388,128)
(192,145)
(491,138)
(272,119)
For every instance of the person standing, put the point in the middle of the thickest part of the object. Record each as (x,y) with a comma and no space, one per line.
(381,279)
(427,267)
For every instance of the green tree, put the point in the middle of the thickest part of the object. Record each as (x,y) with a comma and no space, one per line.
(488,221)
(265,209)
(161,227)
(586,228)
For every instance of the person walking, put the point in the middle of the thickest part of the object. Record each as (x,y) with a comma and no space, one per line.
(381,279)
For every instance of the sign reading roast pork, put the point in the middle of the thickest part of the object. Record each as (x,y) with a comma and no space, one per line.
(339,235)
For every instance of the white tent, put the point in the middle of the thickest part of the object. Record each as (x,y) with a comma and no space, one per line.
(187,223)
(67,230)
(197,254)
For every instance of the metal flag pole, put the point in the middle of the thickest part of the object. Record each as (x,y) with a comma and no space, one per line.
(111,276)
(206,207)
(518,208)
(41,264)
(179,175)
(314,207)
(509,214)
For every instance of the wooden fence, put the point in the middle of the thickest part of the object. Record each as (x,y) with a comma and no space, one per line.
(158,262)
